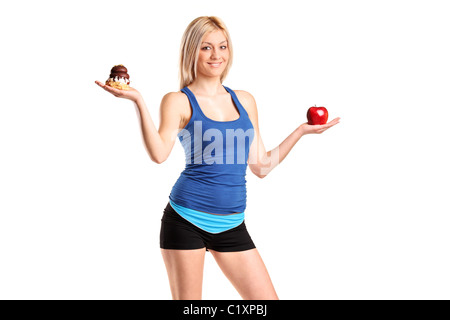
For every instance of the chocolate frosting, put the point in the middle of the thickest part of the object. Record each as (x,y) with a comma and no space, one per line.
(119,71)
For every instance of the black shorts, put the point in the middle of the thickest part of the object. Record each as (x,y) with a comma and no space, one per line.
(178,233)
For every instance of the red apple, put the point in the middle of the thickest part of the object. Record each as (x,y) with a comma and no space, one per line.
(317,115)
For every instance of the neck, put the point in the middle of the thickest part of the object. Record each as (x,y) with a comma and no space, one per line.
(207,86)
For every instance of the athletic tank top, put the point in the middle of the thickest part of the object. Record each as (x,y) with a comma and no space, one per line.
(213,180)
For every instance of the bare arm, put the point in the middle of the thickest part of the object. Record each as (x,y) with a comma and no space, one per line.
(158,143)
(262,162)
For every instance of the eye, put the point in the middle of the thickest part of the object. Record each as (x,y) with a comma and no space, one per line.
(209,48)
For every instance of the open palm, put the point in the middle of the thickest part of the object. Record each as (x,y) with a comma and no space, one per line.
(130,94)
(318,128)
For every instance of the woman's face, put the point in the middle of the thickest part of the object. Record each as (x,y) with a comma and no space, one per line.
(213,55)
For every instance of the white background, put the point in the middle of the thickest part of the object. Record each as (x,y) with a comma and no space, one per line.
(359,212)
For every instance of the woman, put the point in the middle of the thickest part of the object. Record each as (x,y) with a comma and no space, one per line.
(206,205)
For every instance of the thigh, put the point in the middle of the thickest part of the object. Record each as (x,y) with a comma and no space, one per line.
(178,233)
(185,271)
(248,274)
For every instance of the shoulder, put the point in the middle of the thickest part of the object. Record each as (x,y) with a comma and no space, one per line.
(244,95)
(175,105)
(174,102)
(247,100)
(174,98)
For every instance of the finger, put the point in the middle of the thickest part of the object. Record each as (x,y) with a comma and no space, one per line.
(334,121)
(331,123)
(104,86)
(112,90)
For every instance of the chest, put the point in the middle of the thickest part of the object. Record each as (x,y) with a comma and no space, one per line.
(220,108)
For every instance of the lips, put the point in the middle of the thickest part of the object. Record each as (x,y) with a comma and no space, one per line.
(215,65)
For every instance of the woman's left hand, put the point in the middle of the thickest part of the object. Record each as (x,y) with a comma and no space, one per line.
(317,128)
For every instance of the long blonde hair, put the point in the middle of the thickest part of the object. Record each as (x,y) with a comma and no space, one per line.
(191,43)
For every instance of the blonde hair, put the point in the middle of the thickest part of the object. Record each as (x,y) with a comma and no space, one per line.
(191,43)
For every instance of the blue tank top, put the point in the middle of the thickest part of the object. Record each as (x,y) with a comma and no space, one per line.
(213,180)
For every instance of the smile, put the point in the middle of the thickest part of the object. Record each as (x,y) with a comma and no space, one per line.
(215,65)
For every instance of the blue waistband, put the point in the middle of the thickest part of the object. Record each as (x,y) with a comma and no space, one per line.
(211,223)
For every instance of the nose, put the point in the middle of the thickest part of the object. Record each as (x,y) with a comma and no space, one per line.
(215,55)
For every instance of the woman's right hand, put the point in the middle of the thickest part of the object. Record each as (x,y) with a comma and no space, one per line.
(131,94)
